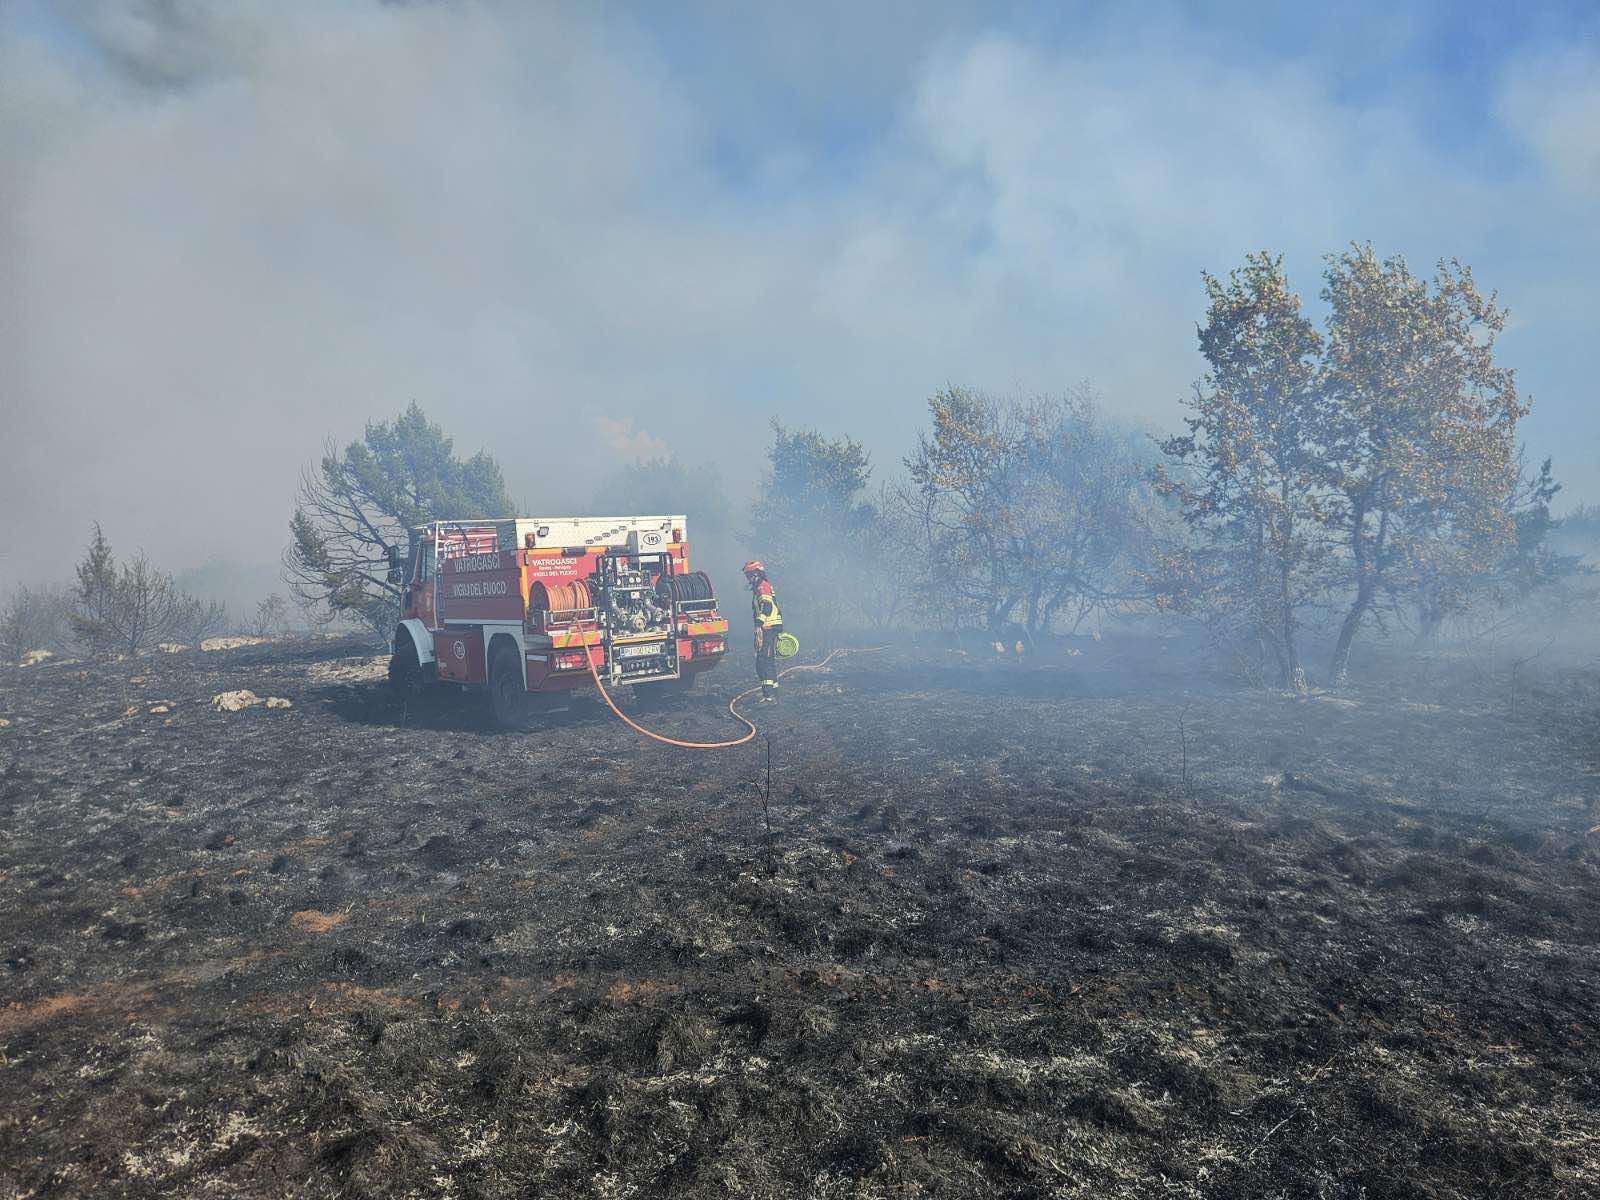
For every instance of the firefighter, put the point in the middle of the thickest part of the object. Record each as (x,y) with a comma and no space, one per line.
(768,623)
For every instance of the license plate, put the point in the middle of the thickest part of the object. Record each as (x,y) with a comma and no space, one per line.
(642,651)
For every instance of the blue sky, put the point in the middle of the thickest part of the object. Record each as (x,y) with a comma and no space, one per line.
(577,234)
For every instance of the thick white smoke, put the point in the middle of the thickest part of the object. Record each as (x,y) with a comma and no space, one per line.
(231,229)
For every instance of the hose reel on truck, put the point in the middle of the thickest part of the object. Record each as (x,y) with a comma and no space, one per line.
(635,602)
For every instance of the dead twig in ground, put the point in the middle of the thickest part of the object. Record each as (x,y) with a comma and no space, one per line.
(766,804)
(1183,740)
(1299,1105)
(1518,664)
(1273,1130)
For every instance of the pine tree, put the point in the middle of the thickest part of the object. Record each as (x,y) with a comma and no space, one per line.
(357,509)
(93,611)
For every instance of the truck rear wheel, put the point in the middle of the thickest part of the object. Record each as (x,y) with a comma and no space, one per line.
(508,693)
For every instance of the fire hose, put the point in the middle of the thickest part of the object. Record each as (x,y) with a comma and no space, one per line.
(588,655)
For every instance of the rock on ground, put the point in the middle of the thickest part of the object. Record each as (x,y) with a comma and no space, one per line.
(366,669)
(243,698)
(231,643)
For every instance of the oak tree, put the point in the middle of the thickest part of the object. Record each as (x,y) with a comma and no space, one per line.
(1421,454)
(1248,474)
(1028,509)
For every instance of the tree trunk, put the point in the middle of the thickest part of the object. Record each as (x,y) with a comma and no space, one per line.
(1361,552)
(1041,612)
(1340,669)
(1430,619)
(1290,659)
(1277,649)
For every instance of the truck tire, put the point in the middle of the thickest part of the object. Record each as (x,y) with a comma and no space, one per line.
(508,694)
(405,672)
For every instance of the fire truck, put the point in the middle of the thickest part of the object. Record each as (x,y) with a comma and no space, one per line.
(522,607)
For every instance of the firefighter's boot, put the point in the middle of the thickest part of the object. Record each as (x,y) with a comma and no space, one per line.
(769,692)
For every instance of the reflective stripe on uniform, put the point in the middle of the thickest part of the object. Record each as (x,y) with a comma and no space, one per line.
(764,606)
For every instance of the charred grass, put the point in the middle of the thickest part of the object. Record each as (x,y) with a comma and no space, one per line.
(1019,937)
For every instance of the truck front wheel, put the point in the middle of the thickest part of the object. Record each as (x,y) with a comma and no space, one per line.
(405,674)
(507,688)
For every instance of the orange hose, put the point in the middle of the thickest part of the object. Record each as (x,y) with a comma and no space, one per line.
(588,655)
(558,596)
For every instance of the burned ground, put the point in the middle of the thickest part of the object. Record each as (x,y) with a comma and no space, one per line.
(1083,927)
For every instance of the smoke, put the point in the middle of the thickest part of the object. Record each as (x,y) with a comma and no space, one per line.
(1553,101)
(229,230)
(628,443)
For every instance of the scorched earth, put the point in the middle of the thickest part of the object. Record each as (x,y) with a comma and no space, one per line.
(1085,925)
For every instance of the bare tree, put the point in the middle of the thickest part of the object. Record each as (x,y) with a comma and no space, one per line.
(32,618)
(14,618)
(146,607)
(194,620)
(272,616)
(134,607)
(356,510)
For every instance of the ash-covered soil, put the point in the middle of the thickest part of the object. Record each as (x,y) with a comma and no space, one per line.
(1090,926)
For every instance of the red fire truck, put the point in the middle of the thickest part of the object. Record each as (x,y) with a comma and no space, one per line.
(521,606)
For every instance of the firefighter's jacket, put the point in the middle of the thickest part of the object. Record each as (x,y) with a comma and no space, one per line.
(764,606)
